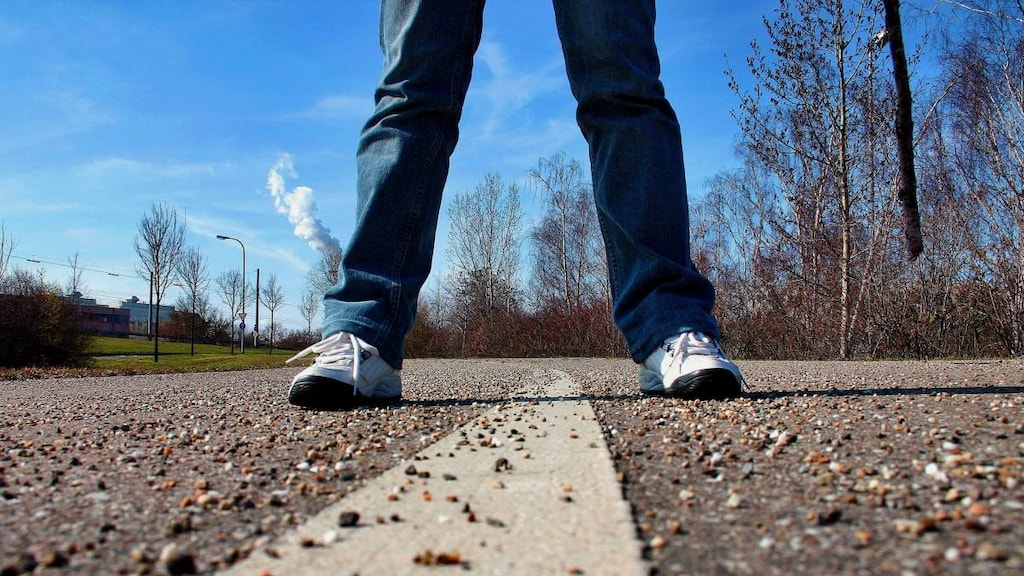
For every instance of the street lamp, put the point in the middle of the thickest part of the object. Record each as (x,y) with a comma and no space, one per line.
(241,315)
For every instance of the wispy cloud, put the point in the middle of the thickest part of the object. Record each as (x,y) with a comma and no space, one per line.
(51,116)
(509,89)
(127,167)
(257,246)
(85,238)
(337,107)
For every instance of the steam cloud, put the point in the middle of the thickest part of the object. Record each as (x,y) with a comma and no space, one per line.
(299,206)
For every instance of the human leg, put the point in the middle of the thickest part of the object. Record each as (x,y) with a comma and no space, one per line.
(402,163)
(638,175)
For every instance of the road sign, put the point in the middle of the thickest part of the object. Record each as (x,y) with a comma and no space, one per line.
(242,326)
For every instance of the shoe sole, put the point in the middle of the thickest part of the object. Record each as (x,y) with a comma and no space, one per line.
(320,393)
(710,384)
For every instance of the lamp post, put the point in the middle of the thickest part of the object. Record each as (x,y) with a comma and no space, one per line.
(241,315)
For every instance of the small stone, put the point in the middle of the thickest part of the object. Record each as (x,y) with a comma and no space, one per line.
(53,559)
(979,509)
(348,519)
(177,562)
(25,563)
(429,558)
(657,542)
(988,552)
(829,517)
(140,555)
(411,470)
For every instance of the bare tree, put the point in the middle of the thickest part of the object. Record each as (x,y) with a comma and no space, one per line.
(159,243)
(483,251)
(986,106)
(74,285)
(1007,9)
(309,306)
(229,288)
(7,246)
(273,299)
(483,240)
(324,274)
(192,272)
(810,120)
(568,251)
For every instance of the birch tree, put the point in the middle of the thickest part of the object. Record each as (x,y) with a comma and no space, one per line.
(810,119)
(986,107)
(568,251)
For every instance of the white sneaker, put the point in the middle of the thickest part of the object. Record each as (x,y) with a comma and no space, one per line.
(690,365)
(348,372)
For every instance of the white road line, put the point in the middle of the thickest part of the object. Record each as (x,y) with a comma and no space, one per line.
(536,478)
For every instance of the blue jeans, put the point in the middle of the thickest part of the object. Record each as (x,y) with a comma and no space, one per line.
(635,154)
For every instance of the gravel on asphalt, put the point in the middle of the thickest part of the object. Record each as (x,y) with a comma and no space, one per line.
(823,467)
(826,468)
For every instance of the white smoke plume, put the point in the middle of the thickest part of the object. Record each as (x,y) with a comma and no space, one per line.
(299,206)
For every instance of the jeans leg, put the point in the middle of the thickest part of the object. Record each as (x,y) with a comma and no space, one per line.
(637,161)
(402,163)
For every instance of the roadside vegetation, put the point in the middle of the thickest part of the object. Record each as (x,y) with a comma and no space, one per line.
(108,356)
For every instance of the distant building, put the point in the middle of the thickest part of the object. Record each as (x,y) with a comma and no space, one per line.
(139,314)
(98,319)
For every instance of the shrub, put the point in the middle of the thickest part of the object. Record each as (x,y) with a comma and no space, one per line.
(40,328)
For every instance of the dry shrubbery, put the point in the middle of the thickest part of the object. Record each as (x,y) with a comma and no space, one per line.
(38,327)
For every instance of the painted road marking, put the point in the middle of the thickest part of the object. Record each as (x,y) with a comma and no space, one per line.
(526,488)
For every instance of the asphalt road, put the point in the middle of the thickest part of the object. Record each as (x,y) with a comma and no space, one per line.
(822,468)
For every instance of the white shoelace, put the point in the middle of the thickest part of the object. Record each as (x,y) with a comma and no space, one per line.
(692,343)
(334,351)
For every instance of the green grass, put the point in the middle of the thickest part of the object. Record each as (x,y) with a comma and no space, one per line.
(107,346)
(118,356)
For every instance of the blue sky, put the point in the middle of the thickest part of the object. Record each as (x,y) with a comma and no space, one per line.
(110,107)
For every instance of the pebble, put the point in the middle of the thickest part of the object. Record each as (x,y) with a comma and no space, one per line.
(177,562)
(989,552)
(348,519)
(734,501)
